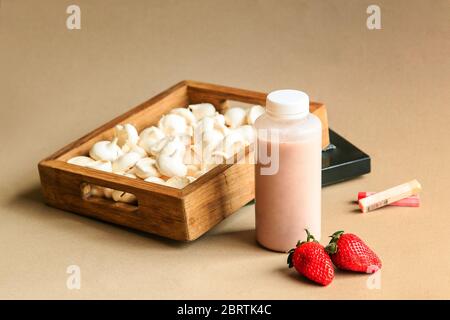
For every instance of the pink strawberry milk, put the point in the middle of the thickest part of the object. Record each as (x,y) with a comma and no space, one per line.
(287,171)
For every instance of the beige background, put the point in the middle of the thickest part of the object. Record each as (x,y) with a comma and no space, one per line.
(387,91)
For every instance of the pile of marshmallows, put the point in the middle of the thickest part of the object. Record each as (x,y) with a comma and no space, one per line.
(186,143)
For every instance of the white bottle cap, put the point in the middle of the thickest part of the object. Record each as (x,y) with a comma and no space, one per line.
(288,103)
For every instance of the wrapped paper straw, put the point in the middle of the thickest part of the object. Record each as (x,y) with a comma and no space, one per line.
(413,201)
(384,198)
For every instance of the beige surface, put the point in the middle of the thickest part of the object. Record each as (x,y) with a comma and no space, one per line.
(387,91)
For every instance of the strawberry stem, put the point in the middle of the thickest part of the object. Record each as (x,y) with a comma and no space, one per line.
(332,247)
(337,234)
(308,235)
(289,258)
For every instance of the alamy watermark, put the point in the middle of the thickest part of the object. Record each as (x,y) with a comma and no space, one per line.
(373,21)
(74,279)
(235,148)
(73,21)
(374,280)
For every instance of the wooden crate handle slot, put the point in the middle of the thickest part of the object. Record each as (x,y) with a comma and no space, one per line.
(95,194)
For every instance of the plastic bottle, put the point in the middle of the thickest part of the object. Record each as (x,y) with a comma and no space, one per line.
(288,189)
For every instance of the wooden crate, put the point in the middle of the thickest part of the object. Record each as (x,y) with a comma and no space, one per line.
(180,214)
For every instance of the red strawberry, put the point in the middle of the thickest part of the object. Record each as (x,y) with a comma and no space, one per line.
(349,252)
(312,261)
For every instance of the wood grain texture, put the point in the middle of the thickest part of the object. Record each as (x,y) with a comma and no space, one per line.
(184,214)
(220,196)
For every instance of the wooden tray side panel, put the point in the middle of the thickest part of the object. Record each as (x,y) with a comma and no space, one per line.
(321,112)
(218,198)
(155,212)
(198,92)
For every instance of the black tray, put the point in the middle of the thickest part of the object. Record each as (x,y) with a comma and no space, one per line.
(343,161)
